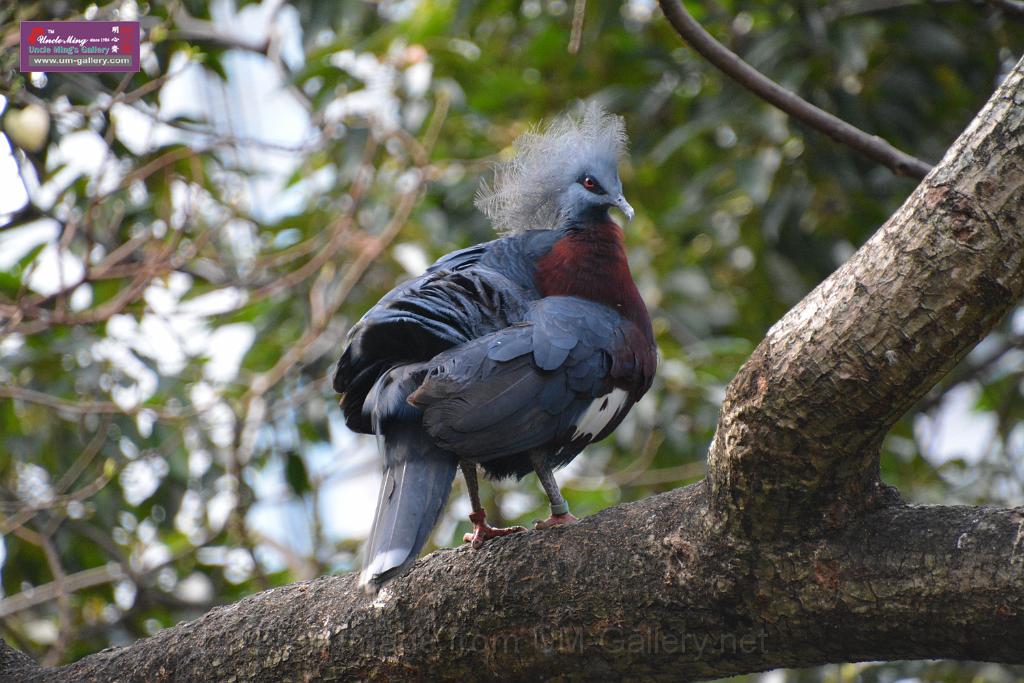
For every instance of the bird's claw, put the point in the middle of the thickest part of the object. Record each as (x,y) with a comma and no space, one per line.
(483,531)
(480,534)
(555,520)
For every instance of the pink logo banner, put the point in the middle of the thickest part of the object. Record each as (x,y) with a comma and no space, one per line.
(80,46)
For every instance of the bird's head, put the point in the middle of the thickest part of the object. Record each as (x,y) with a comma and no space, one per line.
(564,174)
(595,189)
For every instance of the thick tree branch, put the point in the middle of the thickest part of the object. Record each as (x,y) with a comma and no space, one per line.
(803,420)
(750,78)
(641,590)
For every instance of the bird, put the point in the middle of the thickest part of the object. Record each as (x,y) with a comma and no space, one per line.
(510,356)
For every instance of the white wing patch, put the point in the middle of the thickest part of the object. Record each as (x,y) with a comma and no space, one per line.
(599,413)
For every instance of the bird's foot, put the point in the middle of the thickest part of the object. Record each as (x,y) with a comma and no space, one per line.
(555,520)
(483,531)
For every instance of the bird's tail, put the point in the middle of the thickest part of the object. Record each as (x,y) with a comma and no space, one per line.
(415,488)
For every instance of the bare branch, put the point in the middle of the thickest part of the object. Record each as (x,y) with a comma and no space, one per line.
(730,64)
(1013,8)
(87,407)
(37,595)
(192,30)
(852,8)
(579,12)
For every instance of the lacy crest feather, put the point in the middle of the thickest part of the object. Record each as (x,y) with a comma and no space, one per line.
(525,190)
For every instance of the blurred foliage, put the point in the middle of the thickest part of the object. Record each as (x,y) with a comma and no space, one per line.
(185,248)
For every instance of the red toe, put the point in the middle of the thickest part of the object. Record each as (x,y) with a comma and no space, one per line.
(556,520)
(483,531)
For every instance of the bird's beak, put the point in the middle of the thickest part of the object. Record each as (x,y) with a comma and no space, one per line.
(621,202)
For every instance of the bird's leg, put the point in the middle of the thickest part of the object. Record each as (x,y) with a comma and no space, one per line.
(481,529)
(559,508)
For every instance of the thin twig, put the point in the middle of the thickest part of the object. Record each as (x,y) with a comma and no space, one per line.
(750,78)
(851,8)
(66,622)
(969,373)
(579,11)
(339,231)
(199,31)
(1013,8)
(86,407)
(38,595)
(18,520)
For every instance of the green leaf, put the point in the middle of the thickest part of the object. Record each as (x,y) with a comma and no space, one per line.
(10,284)
(28,258)
(295,473)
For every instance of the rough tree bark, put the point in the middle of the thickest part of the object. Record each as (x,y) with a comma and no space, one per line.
(792,552)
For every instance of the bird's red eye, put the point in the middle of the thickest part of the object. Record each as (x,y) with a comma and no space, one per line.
(589,183)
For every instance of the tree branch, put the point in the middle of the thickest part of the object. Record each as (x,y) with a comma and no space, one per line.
(839,369)
(1012,8)
(199,31)
(871,146)
(639,590)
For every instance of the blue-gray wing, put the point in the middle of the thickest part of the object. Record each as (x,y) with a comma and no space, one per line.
(416,321)
(465,295)
(540,384)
